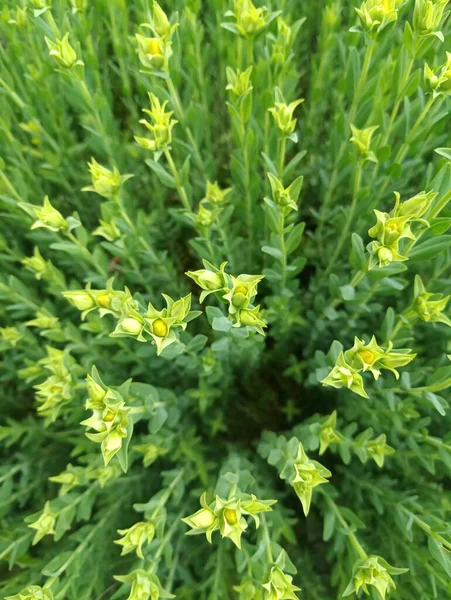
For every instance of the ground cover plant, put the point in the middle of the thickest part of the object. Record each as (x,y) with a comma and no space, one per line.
(224,324)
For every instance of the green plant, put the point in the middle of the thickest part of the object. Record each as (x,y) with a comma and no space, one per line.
(223,300)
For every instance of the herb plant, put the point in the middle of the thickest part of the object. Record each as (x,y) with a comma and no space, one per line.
(224,299)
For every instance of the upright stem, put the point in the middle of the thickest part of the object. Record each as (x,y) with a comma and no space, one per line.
(180,113)
(178,183)
(349,220)
(352,538)
(281,166)
(349,120)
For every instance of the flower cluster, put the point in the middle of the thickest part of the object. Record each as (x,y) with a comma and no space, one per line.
(154,52)
(391,228)
(227,516)
(374,571)
(238,292)
(134,321)
(365,357)
(160,126)
(110,415)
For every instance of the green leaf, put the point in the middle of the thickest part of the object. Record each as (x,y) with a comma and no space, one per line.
(440,225)
(294,238)
(440,553)
(166,178)
(57,565)
(357,258)
(275,252)
(429,248)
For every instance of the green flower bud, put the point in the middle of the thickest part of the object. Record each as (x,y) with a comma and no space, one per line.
(110,231)
(439,81)
(204,217)
(374,571)
(361,138)
(82,300)
(215,195)
(207,280)
(144,585)
(344,375)
(160,23)
(10,335)
(239,82)
(32,592)
(63,53)
(249,19)
(252,318)
(283,116)
(427,16)
(36,263)
(131,326)
(286,198)
(375,15)
(151,52)
(45,524)
(46,216)
(308,474)
(328,434)
(106,183)
(280,586)
(378,449)
(135,537)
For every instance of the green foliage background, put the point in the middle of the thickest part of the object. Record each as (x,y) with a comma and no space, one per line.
(219,409)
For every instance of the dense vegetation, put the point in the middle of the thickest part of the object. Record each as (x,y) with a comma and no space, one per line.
(225,253)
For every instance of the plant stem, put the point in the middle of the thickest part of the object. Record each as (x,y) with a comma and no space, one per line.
(349,220)
(178,183)
(282,148)
(86,253)
(352,538)
(181,116)
(349,120)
